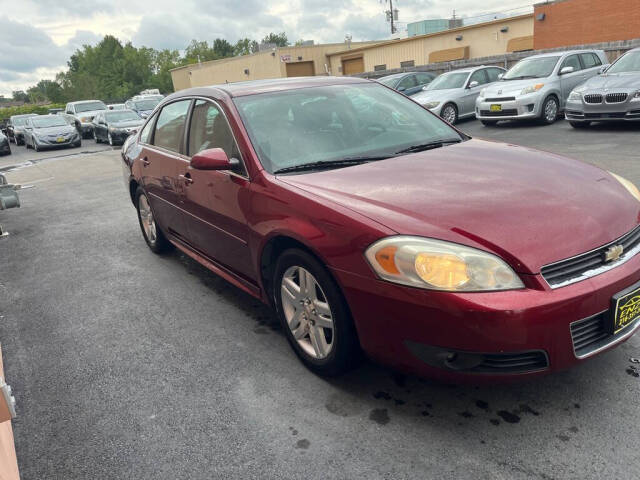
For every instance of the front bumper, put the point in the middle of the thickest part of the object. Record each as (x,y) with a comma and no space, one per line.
(511,108)
(119,136)
(580,111)
(86,128)
(52,141)
(417,330)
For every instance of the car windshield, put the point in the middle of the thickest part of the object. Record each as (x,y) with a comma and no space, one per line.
(19,121)
(448,80)
(627,63)
(89,106)
(45,121)
(389,81)
(123,116)
(146,104)
(336,123)
(532,68)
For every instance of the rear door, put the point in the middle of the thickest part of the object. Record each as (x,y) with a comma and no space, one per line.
(216,202)
(160,157)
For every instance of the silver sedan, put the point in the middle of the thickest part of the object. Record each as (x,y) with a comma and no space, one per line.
(614,95)
(453,95)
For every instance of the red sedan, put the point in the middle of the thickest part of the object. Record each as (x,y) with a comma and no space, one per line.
(371,224)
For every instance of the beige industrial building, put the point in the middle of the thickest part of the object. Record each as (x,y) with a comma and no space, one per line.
(473,41)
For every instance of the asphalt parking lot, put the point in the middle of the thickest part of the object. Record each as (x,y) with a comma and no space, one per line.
(130,365)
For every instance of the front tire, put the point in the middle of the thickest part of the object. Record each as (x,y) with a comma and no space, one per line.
(449,113)
(152,234)
(549,111)
(314,314)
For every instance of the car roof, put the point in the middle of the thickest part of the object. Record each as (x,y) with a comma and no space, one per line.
(85,101)
(24,115)
(562,53)
(254,87)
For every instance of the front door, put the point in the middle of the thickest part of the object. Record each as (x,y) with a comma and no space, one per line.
(569,81)
(468,103)
(160,158)
(216,202)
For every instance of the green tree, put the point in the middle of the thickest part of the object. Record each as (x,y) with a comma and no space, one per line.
(245,46)
(280,39)
(222,48)
(20,96)
(199,52)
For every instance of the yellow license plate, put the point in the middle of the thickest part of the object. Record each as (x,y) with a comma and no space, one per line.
(627,309)
(495,108)
(60,139)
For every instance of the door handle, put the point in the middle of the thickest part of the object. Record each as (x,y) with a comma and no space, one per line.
(145,162)
(187,178)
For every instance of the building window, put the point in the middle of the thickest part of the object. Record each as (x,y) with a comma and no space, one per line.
(377,68)
(408,63)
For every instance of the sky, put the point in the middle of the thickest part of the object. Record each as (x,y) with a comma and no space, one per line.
(37,37)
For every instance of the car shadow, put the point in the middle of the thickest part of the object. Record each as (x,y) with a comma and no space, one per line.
(385,395)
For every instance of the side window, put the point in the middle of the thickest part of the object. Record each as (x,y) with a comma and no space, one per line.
(209,129)
(145,134)
(169,130)
(590,60)
(407,82)
(478,76)
(493,74)
(68,109)
(572,61)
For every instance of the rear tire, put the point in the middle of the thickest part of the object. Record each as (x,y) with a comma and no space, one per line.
(152,234)
(306,308)
(580,124)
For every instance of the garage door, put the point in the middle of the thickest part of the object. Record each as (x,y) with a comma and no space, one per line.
(300,69)
(353,66)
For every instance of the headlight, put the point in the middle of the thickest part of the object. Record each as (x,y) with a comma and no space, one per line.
(575,96)
(531,89)
(481,95)
(632,189)
(439,265)
(636,97)
(431,105)
(85,119)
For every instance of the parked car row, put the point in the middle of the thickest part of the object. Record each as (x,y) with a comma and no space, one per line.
(579,84)
(41,131)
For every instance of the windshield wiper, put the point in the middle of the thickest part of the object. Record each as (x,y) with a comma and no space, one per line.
(427,146)
(521,77)
(328,164)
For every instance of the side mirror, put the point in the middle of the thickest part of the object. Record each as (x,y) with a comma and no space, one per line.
(213,159)
(473,84)
(603,68)
(565,70)
(402,89)
(500,75)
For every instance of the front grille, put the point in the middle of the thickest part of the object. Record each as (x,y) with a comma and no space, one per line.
(500,99)
(589,333)
(593,98)
(616,97)
(504,113)
(521,362)
(579,267)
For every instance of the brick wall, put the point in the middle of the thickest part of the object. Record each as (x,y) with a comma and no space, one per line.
(576,22)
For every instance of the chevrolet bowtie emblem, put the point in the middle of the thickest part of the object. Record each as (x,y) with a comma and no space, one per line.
(613,253)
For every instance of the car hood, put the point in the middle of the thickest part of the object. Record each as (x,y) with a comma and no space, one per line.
(128,123)
(436,95)
(614,80)
(529,207)
(511,87)
(58,130)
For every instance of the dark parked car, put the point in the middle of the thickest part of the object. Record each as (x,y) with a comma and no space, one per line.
(368,222)
(115,126)
(5,148)
(408,83)
(143,106)
(15,127)
(47,131)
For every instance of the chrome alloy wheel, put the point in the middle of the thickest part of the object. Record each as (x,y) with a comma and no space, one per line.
(146,219)
(449,114)
(550,110)
(307,312)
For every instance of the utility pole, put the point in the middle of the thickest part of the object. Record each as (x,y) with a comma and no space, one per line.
(392,16)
